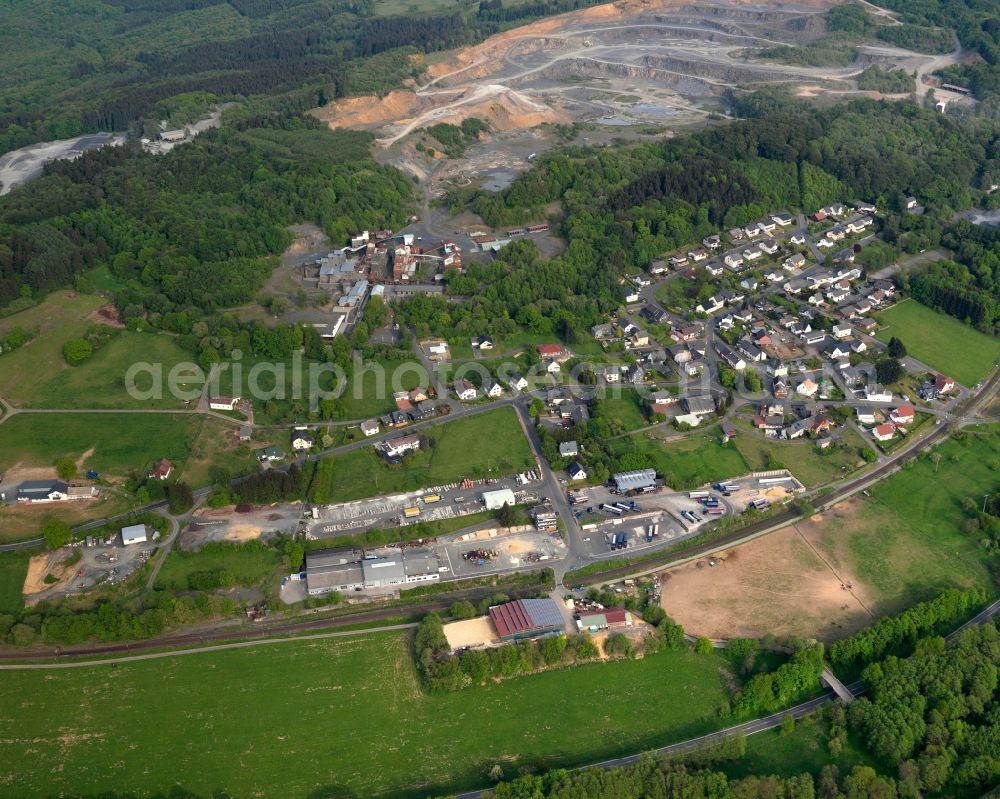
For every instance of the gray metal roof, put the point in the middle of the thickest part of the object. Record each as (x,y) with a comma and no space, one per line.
(378,570)
(640,478)
(543,612)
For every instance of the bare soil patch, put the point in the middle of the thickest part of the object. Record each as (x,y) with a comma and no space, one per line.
(42,565)
(786,583)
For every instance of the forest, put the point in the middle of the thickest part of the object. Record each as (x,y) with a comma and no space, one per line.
(198,227)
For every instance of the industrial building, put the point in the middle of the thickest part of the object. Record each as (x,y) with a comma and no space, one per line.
(526,618)
(497,499)
(134,534)
(345,570)
(610,619)
(634,481)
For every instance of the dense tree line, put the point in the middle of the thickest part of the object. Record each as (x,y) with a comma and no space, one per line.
(897,635)
(791,682)
(167,225)
(936,715)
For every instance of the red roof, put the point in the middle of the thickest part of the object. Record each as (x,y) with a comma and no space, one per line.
(941,382)
(903,412)
(549,349)
(615,616)
(885,430)
(510,618)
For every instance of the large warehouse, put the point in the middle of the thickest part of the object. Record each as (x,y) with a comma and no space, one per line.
(497,499)
(634,481)
(344,570)
(526,618)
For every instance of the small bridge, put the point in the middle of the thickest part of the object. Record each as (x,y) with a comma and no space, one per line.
(837,686)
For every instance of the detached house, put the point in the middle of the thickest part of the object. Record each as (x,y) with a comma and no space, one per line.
(464,390)
(491,388)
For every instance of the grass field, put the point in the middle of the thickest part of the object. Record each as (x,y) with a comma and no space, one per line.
(216,446)
(811,466)
(489,443)
(120,442)
(247,565)
(623,413)
(697,459)
(351,710)
(13,570)
(58,319)
(943,343)
(100,381)
(23,522)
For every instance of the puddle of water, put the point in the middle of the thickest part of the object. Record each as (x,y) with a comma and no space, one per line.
(499,180)
(652,110)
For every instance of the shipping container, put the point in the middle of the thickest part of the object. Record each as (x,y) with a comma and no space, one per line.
(409,513)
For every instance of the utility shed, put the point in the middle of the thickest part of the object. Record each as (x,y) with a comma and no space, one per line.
(497,499)
(526,618)
(134,534)
(634,480)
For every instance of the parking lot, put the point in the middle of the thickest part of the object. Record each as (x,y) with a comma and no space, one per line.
(677,515)
(430,504)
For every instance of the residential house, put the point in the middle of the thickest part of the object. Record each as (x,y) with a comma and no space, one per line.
(749,283)
(835,350)
(270,454)
(731,297)
(612,374)
(491,388)
(780,389)
(752,230)
(657,267)
(223,403)
(943,384)
(751,351)
(552,367)
(576,471)
(782,220)
(517,382)
(697,256)
(903,415)
(752,253)
(679,353)
(865,415)
(730,358)
(464,390)
(603,332)
(568,449)
(699,406)
(814,337)
(837,295)
(824,243)
(813,425)
(735,233)
(884,431)
(732,260)
(245,433)
(911,203)
(816,299)
(302,441)
(807,388)
(661,401)
(773,421)
(769,246)
(635,374)
(797,239)
(550,350)
(793,262)
(678,261)
(653,314)
(841,330)
(396,447)
(639,338)
(858,346)
(776,368)
(485,343)
(774,276)
(713,242)
(690,331)
(877,393)
(161,470)
(370,427)
(714,268)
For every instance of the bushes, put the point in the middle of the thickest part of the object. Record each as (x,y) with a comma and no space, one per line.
(771,691)
(441,671)
(896,635)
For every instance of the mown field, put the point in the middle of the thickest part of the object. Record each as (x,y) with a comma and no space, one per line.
(801,457)
(906,541)
(120,442)
(943,343)
(247,565)
(697,459)
(13,570)
(487,444)
(334,718)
